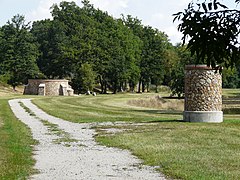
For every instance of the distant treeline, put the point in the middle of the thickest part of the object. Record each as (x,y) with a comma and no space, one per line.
(91,48)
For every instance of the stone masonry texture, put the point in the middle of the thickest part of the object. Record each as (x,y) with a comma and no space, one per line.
(203,89)
(51,88)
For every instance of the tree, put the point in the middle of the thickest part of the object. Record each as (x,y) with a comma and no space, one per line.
(177,73)
(52,40)
(213,30)
(18,52)
(159,47)
(124,50)
(117,49)
(153,59)
(84,79)
(95,37)
(155,43)
(2,72)
(231,78)
(135,25)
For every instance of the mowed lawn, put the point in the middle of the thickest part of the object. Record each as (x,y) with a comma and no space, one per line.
(157,134)
(105,108)
(16,144)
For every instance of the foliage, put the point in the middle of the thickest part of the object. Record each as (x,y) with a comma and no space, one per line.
(4,78)
(231,78)
(88,35)
(18,52)
(213,30)
(50,37)
(153,59)
(84,79)
(177,81)
(122,52)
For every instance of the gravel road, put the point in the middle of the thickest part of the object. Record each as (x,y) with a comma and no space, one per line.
(68,150)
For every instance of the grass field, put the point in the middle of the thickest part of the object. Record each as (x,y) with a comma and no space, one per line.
(104,108)
(152,131)
(181,150)
(16,150)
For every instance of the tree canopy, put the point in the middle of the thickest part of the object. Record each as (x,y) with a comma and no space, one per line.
(18,51)
(97,51)
(120,51)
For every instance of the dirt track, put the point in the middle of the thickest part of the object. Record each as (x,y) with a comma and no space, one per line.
(73,153)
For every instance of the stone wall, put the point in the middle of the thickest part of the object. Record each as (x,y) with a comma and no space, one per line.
(203,89)
(48,87)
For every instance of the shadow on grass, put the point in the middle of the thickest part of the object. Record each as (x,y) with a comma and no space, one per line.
(167,112)
(161,121)
(231,111)
(232,95)
(236,94)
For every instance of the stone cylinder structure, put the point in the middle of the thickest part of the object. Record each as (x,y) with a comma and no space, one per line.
(48,87)
(203,94)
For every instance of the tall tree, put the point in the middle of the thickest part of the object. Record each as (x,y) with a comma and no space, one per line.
(177,73)
(124,49)
(114,47)
(52,42)
(18,51)
(1,52)
(94,37)
(84,79)
(137,28)
(155,44)
(158,65)
(153,59)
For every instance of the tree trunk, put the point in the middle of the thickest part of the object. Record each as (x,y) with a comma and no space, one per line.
(139,85)
(101,83)
(121,87)
(114,88)
(148,85)
(131,86)
(125,86)
(105,87)
(156,88)
(143,87)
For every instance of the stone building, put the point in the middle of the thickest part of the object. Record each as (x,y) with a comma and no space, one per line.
(203,94)
(48,87)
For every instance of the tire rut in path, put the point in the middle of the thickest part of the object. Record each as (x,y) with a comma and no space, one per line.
(81,157)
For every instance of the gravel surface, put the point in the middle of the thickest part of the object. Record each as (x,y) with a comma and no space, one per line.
(73,153)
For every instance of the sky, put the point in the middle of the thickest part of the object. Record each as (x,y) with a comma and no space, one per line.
(156,13)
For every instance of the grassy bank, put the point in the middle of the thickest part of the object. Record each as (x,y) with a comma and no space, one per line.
(16,150)
(105,108)
(181,150)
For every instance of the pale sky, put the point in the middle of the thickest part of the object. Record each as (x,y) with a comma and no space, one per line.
(156,13)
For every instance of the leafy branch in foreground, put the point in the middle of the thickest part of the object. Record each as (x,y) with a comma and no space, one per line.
(213,30)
